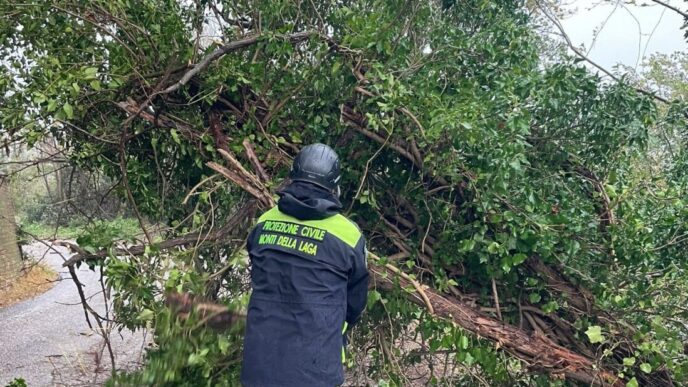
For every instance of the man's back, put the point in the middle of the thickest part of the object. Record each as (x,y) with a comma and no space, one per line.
(308,276)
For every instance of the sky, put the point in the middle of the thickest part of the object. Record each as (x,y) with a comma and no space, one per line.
(627,32)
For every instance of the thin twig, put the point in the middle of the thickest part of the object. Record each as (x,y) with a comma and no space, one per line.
(582,55)
(238,216)
(496,298)
(367,168)
(78,284)
(416,284)
(207,179)
(130,195)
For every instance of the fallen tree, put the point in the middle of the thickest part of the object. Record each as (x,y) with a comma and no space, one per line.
(536,349)
(494,188)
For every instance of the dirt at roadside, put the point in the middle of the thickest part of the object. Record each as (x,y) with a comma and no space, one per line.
(36,279)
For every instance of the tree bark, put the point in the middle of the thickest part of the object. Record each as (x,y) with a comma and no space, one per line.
(538,351)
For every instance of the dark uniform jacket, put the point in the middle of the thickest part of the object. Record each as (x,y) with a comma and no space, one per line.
(309,275)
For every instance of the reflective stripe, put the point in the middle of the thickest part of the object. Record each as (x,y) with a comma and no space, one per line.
(337,225)
(346,325)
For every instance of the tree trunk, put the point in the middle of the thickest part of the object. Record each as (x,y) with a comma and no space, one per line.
(541,353)
(10,257)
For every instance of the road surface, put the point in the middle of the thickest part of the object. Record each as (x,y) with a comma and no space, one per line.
(46,340)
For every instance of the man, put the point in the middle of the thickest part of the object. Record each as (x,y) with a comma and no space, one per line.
(309,277)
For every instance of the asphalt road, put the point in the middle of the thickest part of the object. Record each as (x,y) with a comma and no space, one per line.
(46,340)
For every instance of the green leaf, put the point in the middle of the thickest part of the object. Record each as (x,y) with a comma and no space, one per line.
(90,73)
(534,298)
(198,358)
(463,342)
(114,83)
(39,98)
(628,361)
(550,307)
(632,383)
(493,248)
(175,136)
(69,111)
(146,315)
(594,333)
(335,67)
(518,259)
(611,191)
(466,245)
(645,367)
(373,297)
(223,344)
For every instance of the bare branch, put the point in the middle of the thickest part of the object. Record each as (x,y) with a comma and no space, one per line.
(227,48)
(678,11)
(240,215)
(251,155)
(583,56)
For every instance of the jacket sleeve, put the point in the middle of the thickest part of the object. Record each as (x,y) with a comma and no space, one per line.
(357,288)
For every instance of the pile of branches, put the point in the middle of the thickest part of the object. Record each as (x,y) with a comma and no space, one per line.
(546,342)
(165,125)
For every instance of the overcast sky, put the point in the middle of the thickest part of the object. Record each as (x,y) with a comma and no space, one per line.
(630,31)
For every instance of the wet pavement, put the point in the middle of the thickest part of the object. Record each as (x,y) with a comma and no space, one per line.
(46,340)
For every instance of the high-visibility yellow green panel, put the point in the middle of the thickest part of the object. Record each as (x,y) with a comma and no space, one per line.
(337,225)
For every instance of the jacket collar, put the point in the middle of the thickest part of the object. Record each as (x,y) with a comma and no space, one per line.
(307,201)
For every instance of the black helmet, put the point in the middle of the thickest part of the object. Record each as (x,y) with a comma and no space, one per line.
(317,164)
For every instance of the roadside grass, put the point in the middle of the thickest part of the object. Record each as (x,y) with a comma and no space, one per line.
(75,229)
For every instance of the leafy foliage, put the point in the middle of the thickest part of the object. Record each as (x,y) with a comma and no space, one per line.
(467,161)
(17,382)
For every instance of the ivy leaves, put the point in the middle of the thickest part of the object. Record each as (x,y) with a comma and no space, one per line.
(594,334)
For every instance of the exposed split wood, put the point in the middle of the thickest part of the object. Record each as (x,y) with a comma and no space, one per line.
(539,351)
(255,163)
(213,315)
